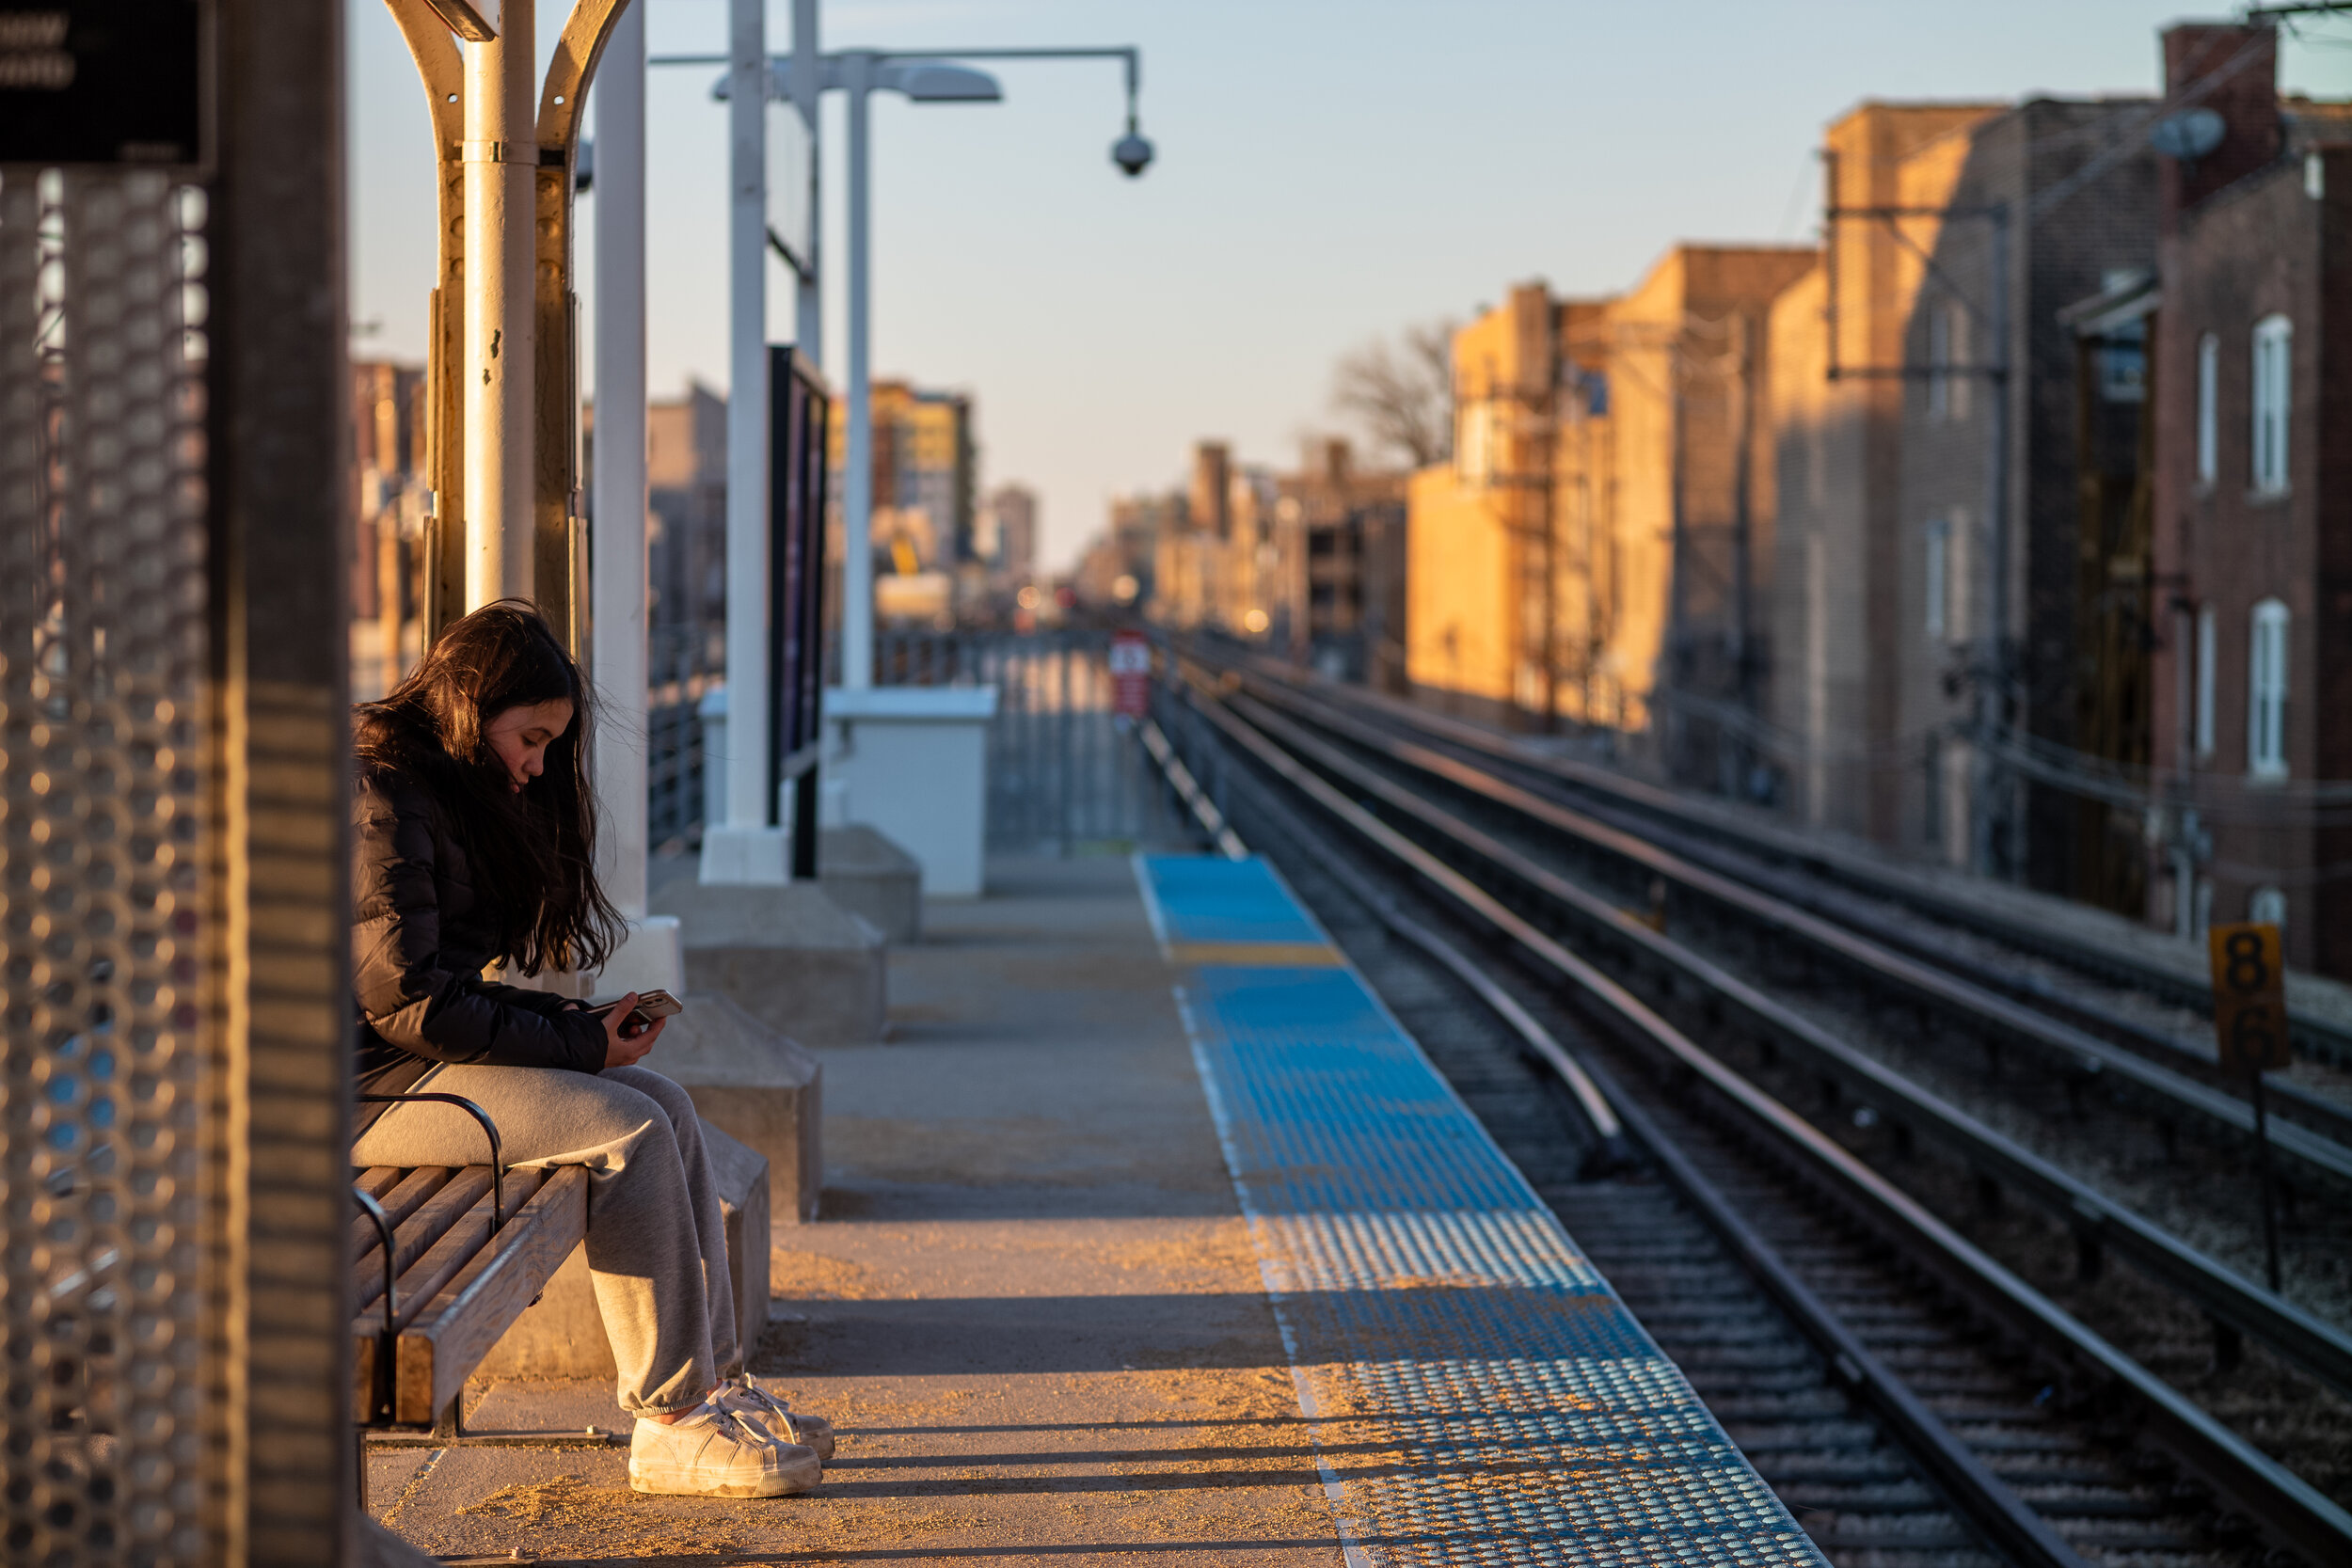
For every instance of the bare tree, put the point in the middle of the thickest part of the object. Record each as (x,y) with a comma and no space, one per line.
(1403,395)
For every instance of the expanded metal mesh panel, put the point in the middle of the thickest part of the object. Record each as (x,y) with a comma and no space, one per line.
(1488,1399)
(106,1282)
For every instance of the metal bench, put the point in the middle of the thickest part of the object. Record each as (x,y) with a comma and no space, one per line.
(444,1260)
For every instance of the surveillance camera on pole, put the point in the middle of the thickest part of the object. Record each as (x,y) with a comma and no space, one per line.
(1132,153)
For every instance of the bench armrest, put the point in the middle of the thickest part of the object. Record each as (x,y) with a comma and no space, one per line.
(498,1169)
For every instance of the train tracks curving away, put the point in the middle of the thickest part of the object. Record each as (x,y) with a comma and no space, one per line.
(1962,1267)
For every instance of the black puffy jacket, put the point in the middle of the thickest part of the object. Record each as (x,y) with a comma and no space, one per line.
(421,933)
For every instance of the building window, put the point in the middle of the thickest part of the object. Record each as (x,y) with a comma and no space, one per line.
(2266,693)
(1937,599)
(1474,444)
(1932,801)
(2208,393)
(2268,905)
(1948,348)
(2274,345)
(2203,735)
(2123,365)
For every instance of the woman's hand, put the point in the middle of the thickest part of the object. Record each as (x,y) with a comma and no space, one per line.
(623,1045)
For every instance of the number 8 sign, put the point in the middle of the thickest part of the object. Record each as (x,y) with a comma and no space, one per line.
(2250,1003)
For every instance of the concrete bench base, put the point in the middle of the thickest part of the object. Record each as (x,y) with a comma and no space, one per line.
(872,878)
(563,1335)
(789,954)
(756,1085)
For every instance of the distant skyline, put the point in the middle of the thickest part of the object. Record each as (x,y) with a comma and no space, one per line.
(1327,172)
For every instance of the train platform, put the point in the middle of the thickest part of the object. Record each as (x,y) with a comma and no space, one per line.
(1149,1235)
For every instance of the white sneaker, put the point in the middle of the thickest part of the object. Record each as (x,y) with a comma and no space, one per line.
(744,1395)
(717,1452)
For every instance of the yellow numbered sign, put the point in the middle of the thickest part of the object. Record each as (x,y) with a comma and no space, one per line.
(2250,997)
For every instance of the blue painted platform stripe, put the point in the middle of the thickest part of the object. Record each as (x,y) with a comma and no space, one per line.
(1481,1394)
(1220,900)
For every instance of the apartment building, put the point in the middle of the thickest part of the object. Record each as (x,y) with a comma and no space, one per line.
(1211,551)
(1006,538)
(1600,550)
(2253,505)
(1960,600)
(392,499)
(686,523)
(1337,567)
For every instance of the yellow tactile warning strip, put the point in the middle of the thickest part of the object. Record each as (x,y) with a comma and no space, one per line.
(1249,955)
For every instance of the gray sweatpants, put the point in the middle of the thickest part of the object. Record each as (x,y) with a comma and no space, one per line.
(657,1242)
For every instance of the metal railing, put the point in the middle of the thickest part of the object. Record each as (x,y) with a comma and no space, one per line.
(1066,774)
(682,665)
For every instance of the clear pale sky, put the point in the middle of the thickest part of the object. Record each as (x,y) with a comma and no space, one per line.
(1329,171)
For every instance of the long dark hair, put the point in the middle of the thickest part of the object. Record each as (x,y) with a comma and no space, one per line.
(535,849)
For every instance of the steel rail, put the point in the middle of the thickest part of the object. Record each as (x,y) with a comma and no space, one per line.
(2096,1220)
(1919,983)
(2321,1039)
(1721,852)
(2010,1525)
(2272,1496)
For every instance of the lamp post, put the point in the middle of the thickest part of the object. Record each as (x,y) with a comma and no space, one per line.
(863,73)
(925,76)
(745,848)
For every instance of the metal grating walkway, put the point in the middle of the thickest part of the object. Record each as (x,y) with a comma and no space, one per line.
(1480,1394)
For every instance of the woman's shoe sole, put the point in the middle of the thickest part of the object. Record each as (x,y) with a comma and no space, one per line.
(686,1483)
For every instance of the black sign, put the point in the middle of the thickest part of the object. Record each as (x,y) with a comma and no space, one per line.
(102,82)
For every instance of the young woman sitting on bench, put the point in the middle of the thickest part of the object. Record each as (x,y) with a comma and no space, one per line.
(474,843)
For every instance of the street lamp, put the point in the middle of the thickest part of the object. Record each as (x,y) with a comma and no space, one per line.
(744,849)
(925,76)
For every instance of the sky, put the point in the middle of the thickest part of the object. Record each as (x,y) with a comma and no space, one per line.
(1329,171)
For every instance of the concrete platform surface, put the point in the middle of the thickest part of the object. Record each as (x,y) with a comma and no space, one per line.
(1032,1306)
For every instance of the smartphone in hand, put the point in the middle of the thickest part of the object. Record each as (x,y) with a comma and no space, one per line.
(651,1006)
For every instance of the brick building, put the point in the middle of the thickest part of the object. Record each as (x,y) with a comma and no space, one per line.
(392,500)
(1007,537)
(1600,550)
(1213,566)
(1938,449)
(1335,570)
(2253,505)
(686,526)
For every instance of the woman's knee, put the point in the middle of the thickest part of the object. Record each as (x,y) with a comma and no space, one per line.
(665,1092)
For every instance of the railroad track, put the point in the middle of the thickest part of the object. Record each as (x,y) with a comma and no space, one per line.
(1821,992)
(1906,1393)
(1858,889)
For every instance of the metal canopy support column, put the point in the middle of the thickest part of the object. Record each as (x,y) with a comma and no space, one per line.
(807,82)
(501,154)
(618,571)
(745,848)
(857,492)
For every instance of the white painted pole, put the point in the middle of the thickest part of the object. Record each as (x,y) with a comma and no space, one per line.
(617,573)
(501,154)
(857,568)
(747,417)
(807,82)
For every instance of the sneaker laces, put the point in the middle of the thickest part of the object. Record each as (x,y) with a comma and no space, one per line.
(752,1433)
(744,1393)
